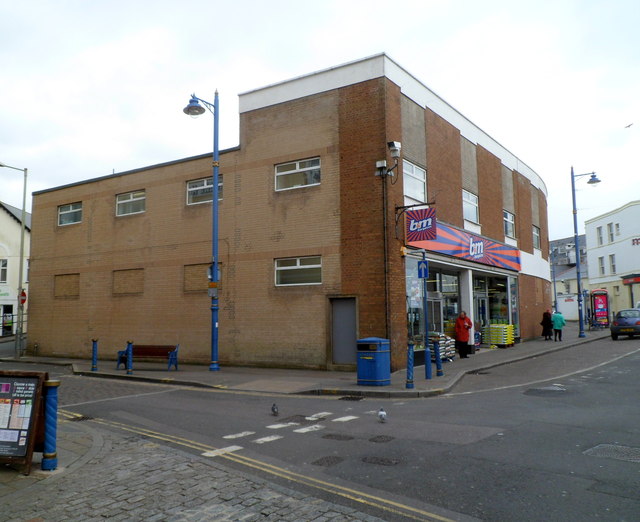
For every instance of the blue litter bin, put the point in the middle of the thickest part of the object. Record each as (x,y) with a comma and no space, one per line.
(374,362)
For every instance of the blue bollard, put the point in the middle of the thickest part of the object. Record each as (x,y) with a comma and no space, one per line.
(436,349)
(49,455)
(129,357)
(94,355)
(427,361)
(409,384)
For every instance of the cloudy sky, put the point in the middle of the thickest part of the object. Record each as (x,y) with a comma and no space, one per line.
(91,87)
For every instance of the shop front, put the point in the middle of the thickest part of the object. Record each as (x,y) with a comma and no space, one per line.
(466,273)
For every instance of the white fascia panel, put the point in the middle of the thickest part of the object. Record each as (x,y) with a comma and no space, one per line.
(535,265)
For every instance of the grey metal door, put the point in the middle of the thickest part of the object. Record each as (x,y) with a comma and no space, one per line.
(343,337)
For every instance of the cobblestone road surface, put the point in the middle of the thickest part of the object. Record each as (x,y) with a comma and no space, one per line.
(122,477)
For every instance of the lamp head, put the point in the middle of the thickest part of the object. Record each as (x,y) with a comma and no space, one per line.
(194,109)
(593,180)
(394,148)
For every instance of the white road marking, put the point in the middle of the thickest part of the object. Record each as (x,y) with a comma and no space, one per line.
(319,416)
(315,427)
(283,425)
(344,419)
(267,439)
(221,451)
(239,435)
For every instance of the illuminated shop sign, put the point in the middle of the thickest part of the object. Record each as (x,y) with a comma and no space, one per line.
(457,243)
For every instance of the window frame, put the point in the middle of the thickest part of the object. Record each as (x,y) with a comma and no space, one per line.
(4,270)
(297,170)
(130,201)
(537,238)
(612,263)
(70,211)
(599,236)
(601,267)
(512,222)
(208,184)
(416,175)
(469,203)
(298,266)
(610,233)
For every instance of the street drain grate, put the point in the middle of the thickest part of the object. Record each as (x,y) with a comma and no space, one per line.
(380,461)
(328,461)
(381,438)
(80,418)
(614,451)
(337,436)
(351,398)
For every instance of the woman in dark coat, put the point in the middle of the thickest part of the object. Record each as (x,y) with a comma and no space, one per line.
(547,325)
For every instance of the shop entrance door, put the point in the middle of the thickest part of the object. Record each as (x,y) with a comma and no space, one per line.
(482,310)
(435,315)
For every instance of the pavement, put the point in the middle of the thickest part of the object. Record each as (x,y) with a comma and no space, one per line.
(96,466)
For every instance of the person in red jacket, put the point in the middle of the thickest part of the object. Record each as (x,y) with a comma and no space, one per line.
(463,327)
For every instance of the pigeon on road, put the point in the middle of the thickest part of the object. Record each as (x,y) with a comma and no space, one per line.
(274,409)
(382,415)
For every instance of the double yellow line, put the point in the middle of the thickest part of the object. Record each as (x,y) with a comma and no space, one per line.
(344,492)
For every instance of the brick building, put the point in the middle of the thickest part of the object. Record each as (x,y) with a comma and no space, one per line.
(311,236)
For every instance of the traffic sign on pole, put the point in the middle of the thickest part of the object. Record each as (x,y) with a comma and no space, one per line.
(23,297)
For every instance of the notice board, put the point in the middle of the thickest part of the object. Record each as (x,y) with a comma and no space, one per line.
(21,415)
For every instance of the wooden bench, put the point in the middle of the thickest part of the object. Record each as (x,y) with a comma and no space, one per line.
(150,351)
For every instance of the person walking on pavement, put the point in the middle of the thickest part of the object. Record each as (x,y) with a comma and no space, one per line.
(462,328)
(547,325)
(558,322)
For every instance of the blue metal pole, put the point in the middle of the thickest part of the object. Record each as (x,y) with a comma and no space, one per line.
(94,355)
(427,351)
(49,455)
(214,239)
(409,384)
(129,357)
(577,247)
(436,350)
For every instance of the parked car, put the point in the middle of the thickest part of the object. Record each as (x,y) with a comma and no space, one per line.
(626,322)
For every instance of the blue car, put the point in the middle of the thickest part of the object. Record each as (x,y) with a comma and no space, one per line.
(626,322)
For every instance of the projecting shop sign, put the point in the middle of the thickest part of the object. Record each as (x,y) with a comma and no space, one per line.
(420,225)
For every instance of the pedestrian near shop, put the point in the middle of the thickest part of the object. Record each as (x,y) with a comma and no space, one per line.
(547,325)
(558,322)
(462,329)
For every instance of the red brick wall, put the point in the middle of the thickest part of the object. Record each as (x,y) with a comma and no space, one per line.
(444,168)
(490,194)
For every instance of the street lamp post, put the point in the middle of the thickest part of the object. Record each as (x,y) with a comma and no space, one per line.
(18,345)
(592,181)
(194,109)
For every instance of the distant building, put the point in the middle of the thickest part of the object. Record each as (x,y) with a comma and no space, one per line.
(564,274)
(613,247)
(10,236)
(312,242)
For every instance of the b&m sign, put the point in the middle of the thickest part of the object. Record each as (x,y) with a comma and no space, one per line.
(420,224)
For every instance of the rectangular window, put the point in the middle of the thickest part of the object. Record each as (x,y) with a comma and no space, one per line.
(617,229)
(415,182)
(601,265)
(69,214)
(299,271)
(130,203)
(470,207)
(509,224)
(196,277)
(296,174)
(66,286)
(128,282)
(599,235)
(610,232)
(3,270)
(536,237)
(201,190)
(612,263)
